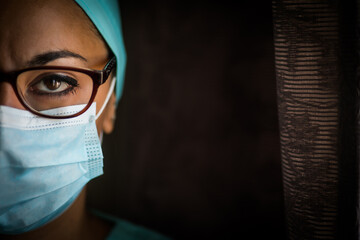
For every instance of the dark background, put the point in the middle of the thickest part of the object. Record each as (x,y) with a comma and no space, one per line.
(195,153)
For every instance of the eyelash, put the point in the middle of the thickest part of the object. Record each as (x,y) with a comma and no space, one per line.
(71,90)
(68,80)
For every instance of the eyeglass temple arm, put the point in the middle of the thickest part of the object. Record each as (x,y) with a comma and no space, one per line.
(108,69)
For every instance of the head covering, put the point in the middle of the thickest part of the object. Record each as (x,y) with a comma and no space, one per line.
(105,15)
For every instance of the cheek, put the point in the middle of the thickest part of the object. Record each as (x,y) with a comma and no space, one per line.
(101,95)
(99,99)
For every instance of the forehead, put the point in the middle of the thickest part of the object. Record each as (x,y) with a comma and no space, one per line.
(28,28)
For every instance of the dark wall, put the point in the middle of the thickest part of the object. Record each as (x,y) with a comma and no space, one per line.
(195,153)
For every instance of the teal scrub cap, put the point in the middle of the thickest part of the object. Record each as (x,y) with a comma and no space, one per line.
(105,14)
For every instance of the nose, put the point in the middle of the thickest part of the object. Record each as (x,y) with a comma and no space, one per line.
(8,96)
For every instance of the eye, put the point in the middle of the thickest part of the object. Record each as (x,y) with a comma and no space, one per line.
(53,84)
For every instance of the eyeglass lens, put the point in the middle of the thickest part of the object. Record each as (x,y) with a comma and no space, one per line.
(48,89)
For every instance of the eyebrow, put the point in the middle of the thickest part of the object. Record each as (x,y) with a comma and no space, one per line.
(46,57)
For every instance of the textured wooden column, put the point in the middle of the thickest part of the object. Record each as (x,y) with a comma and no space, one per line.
(316,57)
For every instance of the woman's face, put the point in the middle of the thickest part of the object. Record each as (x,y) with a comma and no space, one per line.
(29,29)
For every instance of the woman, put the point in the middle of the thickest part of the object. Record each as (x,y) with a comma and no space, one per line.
(53,106)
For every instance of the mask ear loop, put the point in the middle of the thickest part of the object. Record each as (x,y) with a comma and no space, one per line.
(111,90)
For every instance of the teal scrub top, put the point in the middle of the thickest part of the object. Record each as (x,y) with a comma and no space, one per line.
(124,230)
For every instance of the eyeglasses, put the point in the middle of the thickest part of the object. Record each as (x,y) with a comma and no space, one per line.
(49,87)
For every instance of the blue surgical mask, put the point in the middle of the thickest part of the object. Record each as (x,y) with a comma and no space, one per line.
(44,164)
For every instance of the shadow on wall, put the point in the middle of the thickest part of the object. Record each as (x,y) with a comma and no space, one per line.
(195,153)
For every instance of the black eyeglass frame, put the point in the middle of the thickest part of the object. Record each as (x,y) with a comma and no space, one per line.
(99,77)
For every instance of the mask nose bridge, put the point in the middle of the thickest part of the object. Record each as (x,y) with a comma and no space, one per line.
(8,95)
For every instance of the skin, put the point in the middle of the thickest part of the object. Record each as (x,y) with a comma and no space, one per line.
(30,28)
